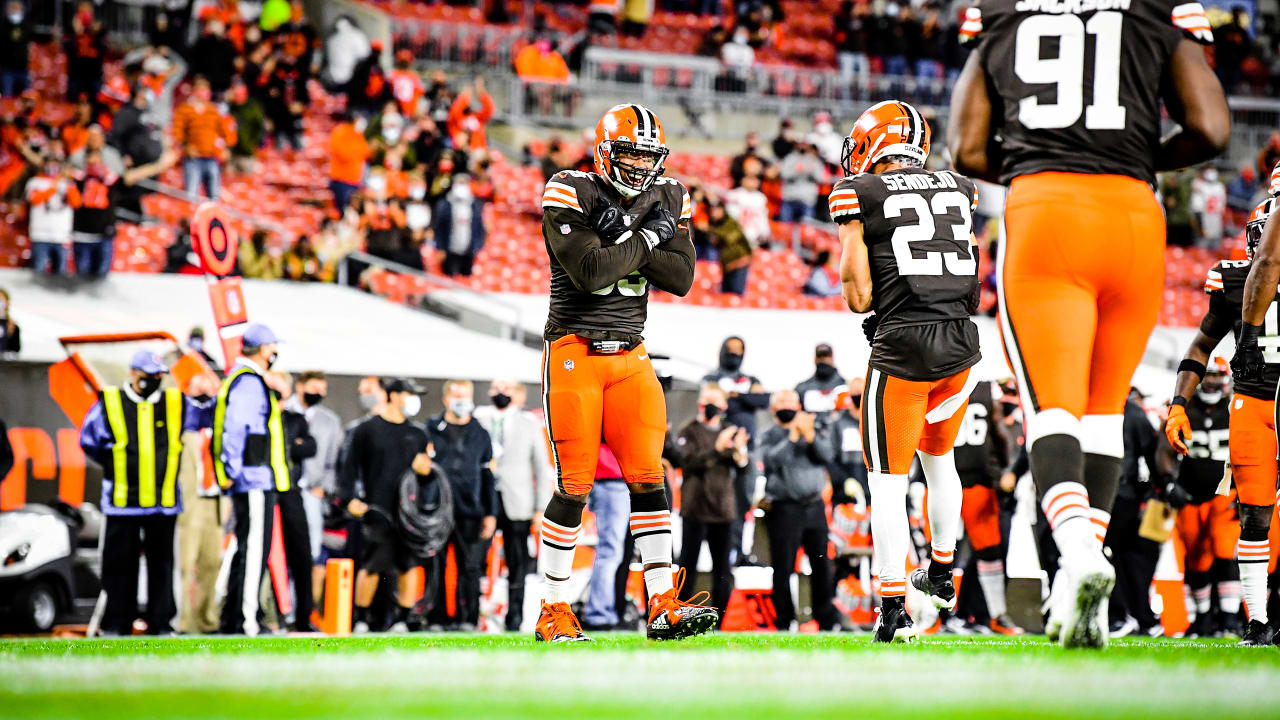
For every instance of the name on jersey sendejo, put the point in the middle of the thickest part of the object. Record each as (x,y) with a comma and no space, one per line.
(928,181)
(1070,6)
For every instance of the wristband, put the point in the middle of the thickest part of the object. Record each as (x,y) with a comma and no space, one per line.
(1249,333)
(1178,400)
(1190,365)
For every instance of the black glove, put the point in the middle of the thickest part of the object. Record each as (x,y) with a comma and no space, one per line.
(974,299)
(659,226)
(1248,363)
(1176,496)
(608,221)
(869,326)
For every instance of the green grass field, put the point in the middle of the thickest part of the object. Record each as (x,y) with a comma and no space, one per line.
(625,676)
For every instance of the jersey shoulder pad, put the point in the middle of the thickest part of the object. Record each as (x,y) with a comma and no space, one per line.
(1190,18)
(569,190)
(1226,276)
(971,25)
(843,201)
(674,195)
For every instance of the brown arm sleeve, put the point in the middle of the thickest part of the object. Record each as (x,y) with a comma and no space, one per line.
(576,246)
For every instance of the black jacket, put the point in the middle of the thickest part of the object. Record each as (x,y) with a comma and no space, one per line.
(6,452)
(466,456)
(1139,443)
(297,437)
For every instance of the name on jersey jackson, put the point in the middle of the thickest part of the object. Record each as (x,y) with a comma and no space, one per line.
(1074,7)
(900,183)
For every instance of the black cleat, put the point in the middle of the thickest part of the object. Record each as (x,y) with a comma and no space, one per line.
(939,589)
(1231,626)
(1204,626)
(1257,634)
(893,624)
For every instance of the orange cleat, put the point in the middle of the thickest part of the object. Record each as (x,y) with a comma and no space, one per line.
(1004,625)
(558,624)
(671,618)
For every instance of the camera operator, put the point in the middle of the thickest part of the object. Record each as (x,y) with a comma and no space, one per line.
(380,451)
(796,455)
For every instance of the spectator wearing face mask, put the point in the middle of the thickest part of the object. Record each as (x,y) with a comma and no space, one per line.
(732,247)
(204,133)
(10,333)
(1208,207)
(826,140)
(259,261)
(93,226)
(195,341)
(848,471)
(749,206)
(294,524)
(711,453)
(745,396)
(464,450)
(818,394)
(824,276)
(525,482)
(320,471)
(458,226)
(135,432)
(303,265)
(348,153)
(52,197)
(15,58)
(380,450)
(801,173)
(795,454)
(469,115)
(86,48)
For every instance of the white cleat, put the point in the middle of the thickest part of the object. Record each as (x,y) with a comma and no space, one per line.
(1057,606)
(1092,582)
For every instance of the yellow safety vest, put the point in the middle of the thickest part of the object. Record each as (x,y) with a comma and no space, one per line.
(145,450)
(275,431)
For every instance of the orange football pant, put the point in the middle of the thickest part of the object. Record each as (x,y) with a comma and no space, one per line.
(590,398)
(1252,441)
(1208,532)
(981,513)
(902,416)
(1081,278)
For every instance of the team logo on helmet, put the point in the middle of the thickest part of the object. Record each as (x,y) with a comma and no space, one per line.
(626,137)
(888,129)
(1274,188)
(1257,220)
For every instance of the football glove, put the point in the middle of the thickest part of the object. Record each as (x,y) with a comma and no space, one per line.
(1175,496)
(658,226)
(609,223)
(1248,363)
(869,326)
(1178,428)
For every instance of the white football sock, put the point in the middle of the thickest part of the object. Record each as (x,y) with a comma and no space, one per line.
(1066,505)
(890,534)
(652,533)
(1201,595)
(946,494)
(558,546)
(991,578)
(1229,596)
(1253,556)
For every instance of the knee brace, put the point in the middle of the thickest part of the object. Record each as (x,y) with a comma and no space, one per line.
(1255,521)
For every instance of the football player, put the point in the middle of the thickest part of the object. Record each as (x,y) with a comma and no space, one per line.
(1062,102)
(981,452)
(908,255)
(1206,521)
(1256,366)
(610,234)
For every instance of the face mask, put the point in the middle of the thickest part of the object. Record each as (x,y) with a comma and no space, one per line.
(196,343)
(824,371)
(148,384)
(710,412)
(369,401)
(500,400)
(312,399)
(376,184)
(730,361)
(412,405)
(461,407)
(202,399)
(272,360)
(785,416)
(15,18)
(417,192)
(856,400)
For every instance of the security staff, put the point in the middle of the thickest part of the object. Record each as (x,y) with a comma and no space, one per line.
(135,433)
(250,460)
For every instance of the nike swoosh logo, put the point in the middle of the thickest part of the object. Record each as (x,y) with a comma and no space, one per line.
(642,357)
